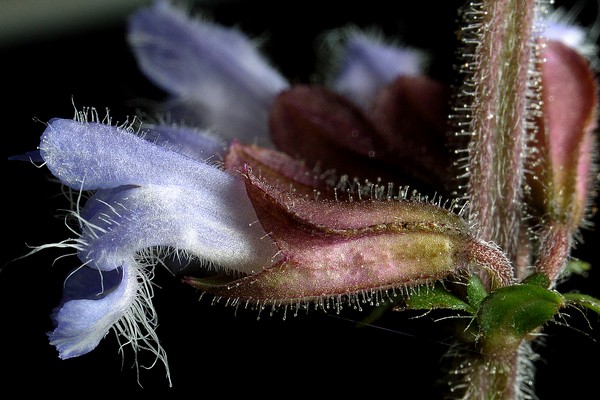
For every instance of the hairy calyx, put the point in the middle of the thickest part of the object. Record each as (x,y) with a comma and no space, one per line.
(340,249)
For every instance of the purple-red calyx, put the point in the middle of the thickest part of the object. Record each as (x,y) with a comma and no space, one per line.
(340,250)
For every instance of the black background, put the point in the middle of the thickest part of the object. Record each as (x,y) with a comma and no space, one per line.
(210,349)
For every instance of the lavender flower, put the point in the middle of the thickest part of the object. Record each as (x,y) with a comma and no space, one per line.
(148,196)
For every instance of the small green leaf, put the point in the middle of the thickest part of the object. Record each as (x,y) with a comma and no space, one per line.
(537,279)
(475,291)
(512,312)
(436,298)
(583,300)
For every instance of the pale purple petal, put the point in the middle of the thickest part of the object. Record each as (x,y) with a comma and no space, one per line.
(367,64)
(218,230)
(89,155)
(216,70)
(152,196)
(82,323)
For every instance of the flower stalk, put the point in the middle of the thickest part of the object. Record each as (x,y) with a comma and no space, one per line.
(500,34)
(498,89)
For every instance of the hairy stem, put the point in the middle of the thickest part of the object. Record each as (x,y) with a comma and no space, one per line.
(502,376)
(499,87)
(496,99)
(556,242)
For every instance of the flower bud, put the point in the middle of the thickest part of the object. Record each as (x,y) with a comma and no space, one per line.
(569,94)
